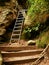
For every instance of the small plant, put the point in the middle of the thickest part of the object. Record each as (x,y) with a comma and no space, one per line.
(31,31)
(26,33)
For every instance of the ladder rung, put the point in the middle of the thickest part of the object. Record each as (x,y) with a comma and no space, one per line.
(20,12)
(15,34)
(20,15)
(20,18)
(18,27)
(23,10)
(14,38)
(13,41)
(18,23)
(16,30)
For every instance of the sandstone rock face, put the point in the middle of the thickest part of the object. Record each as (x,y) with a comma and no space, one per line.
(2,22)
(8,15)
(6,18)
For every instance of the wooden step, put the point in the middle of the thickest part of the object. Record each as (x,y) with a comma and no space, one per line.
(21,53)
(19,59)
(13,47)
(27,61)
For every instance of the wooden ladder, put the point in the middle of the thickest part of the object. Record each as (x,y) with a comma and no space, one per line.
(16,34)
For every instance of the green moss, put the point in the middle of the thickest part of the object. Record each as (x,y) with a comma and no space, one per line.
(43,39)
(35,11)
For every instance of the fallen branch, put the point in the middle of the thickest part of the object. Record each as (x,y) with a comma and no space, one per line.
(41,56)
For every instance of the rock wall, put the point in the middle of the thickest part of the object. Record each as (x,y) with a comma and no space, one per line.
(8,15)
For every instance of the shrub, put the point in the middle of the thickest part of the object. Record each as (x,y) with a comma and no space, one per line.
(31,31)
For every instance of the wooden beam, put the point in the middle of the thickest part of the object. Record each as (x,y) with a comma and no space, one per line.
(14,48)
(19,59)
(21,53)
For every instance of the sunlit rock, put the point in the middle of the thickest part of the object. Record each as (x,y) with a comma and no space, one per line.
(31,42)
